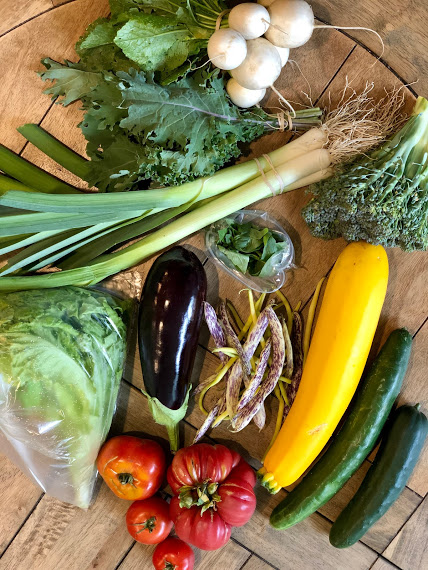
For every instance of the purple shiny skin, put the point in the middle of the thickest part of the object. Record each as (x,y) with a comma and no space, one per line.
(169,321)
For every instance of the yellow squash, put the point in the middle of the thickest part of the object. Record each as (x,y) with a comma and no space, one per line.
(341,342)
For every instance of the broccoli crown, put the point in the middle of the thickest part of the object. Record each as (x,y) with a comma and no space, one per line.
(381,198)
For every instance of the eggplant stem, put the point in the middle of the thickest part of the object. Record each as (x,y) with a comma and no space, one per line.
(174,437)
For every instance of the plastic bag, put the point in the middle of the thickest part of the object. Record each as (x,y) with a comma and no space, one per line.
(283,262)
(62,354)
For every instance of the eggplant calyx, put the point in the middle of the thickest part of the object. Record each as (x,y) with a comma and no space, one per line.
(202,495)
(168,418)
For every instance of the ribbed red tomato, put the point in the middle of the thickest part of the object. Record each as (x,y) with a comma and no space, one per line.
(214,488)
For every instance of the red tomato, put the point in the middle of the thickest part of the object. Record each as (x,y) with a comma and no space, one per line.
(245,472)
(207,531)
(173,554)
(148,521)
(215,492)
(133,468)
(237,503)
(201,462)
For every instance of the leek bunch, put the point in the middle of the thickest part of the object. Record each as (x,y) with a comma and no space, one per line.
(56,227)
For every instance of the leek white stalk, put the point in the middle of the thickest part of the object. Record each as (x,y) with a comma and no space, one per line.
(295,174)
(200,189)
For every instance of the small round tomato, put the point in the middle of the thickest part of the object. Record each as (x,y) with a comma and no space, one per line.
(148,521)
(133,468)
(173,554)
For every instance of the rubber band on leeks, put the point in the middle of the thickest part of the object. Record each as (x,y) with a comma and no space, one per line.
(216,380)
(311,315)
(288,310)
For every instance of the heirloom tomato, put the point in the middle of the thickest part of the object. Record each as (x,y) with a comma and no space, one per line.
(214,492)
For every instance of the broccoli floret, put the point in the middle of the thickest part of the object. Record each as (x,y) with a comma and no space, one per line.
(382,197)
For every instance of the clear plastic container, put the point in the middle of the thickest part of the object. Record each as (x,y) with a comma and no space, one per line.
(263,220)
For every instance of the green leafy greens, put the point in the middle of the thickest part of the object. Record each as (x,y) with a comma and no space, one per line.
(149,117)
(140,130)
(382,197)
(61,362)
(250,248)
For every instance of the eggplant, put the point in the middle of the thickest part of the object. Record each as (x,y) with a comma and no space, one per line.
(169,321)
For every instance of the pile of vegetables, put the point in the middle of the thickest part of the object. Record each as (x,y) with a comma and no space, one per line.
(149,114)
(212,490)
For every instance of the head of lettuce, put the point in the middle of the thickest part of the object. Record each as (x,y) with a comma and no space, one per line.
(61,360)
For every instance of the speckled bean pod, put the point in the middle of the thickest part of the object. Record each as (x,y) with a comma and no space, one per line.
(245,415)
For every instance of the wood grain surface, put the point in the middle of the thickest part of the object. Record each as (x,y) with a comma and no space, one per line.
(38,532)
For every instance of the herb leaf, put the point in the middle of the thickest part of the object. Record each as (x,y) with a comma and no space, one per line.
(251,249)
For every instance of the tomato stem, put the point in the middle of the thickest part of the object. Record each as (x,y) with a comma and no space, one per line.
(203,495)
(149,524)
(125,478)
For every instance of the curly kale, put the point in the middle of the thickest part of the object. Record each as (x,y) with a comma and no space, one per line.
(382,197)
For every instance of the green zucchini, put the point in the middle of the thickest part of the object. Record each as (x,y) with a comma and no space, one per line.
(369,411)
(394,462)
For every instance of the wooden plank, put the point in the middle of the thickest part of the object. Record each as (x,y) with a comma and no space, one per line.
(402,27)
(414,391)
(19,495)
(382,564)
(255,563)
(63,26)
(232,556)
(409,549)
(300,546)
(15,13)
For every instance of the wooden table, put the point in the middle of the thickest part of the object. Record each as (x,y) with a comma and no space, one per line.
(37,531)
